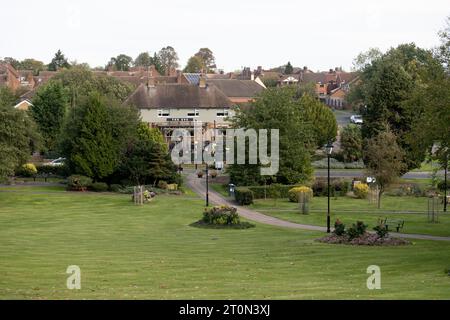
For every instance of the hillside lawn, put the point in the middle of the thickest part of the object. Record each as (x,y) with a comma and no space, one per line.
(150,252)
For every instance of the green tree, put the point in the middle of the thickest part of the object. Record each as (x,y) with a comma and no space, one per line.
(48,110)
(18,139)
(157,63)
(278,108)
(386,92)
(208,59)
(80,82)
(58,62)
(168,58)
(7,97)
(288,69)
(32,64)
(384,160)
(146,159)
(94,136)
(321,118)
(443,50)
(11,61)
(195,65)
(351,143)
(121,63)
(143,60)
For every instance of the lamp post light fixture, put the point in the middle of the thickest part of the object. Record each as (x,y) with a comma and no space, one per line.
(329,150)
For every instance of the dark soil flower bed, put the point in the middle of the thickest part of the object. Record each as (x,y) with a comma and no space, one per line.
(367,239)
(240,225)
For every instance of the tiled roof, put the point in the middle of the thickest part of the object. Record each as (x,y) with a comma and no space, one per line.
(178,96)
(237,88)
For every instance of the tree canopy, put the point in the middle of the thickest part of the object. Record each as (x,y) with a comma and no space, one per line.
(59,61)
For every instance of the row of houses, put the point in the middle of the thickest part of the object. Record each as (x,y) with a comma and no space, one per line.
(183,100)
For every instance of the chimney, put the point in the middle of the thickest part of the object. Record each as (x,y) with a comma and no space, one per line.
(202,81)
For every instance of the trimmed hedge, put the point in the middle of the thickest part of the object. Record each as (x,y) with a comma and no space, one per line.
(78,183)
(244,196)
(99,187)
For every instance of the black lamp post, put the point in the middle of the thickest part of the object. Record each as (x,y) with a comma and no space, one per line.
(329,149)
(207,172)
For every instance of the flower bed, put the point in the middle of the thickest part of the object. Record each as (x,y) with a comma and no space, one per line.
(367,239)
(221,217)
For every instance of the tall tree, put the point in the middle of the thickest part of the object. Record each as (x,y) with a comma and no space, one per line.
(120,63)
(278,108)
(321,118)
(143,60)
(7,97)
(386,93)
(207,56)
(288,69)
(48,110)
(195,65)
(32,64)
(384,160)
(58,62)
(351,143)
(18,139)
(156,61)
(168,58)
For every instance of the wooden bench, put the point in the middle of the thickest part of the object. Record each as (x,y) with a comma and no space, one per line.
(397,223)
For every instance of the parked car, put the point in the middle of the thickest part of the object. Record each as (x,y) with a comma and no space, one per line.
(356,119)
(56,162)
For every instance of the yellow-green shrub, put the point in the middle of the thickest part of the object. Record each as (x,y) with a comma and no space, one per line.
(361,190)
(28,170)
(295,192)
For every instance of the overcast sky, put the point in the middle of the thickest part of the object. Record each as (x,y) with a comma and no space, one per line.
(318,34)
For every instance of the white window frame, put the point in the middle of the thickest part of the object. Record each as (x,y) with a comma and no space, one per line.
(196,113)
(225,113)
(163,113)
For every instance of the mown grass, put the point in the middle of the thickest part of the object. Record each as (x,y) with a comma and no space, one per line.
(350,210)
(151,252)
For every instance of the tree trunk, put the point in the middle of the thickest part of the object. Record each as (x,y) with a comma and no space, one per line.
(379,198)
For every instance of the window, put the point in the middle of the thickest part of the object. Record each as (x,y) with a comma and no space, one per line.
(223,113)
(163,112)
(194,113)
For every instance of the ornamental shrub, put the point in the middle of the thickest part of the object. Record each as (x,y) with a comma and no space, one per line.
(243,195)
(221,215)
(162,184)
(294,193)
(361,190)
(78,183)
(99,187)
(357,230)
(28,170)
(339,228)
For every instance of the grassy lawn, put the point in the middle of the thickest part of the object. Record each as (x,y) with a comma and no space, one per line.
(131,252)
(351,210)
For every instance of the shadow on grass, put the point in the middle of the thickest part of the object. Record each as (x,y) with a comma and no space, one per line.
(204,225)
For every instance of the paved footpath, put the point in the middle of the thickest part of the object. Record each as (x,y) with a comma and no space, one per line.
(198,186)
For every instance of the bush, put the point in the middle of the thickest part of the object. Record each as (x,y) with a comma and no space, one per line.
(243,195)
(441,185)
(162,184)
(78,183)
(381,230)
(61,171)
(99,187)
(200,174)
(221,215)
(115,188)
(339,228)
(361,190)
(357,230)
(172,187)
(294,193)
(213,174)
(27,170)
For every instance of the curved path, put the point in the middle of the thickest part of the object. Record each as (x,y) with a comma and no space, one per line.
(198,186)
